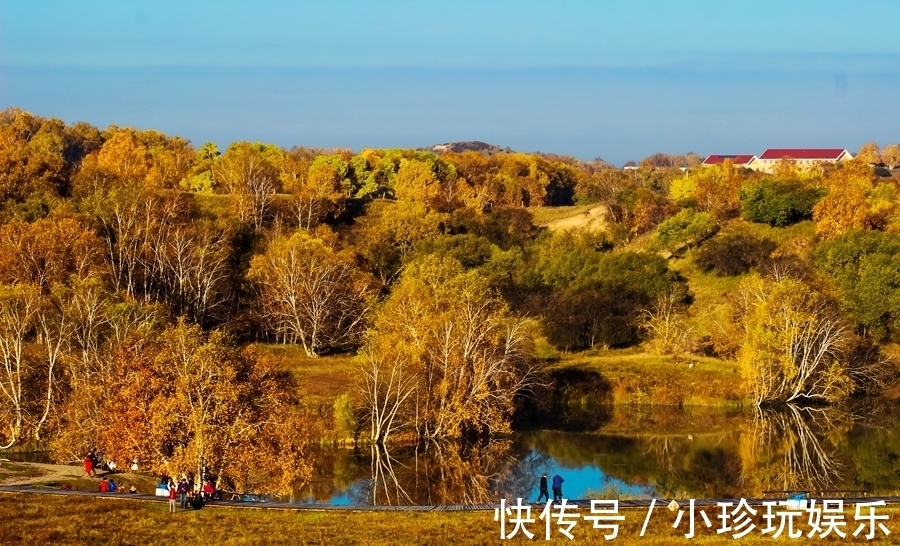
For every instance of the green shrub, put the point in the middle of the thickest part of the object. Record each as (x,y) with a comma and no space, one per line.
(345,421)
(734,253)
(865,265)
(685,229)
(779,202)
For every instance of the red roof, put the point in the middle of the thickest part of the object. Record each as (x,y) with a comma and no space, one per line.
(802,153)
(739,159)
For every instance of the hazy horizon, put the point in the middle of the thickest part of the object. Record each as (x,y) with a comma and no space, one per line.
(615,81)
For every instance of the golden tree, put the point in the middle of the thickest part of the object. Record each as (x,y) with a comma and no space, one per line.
(310,293)
(891,156)
(319,186)
(19,307)
(445,330)
(794,345)
(196,403)
(855,200)
(250,172)
(868,153)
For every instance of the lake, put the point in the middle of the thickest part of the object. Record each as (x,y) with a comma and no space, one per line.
(630,452)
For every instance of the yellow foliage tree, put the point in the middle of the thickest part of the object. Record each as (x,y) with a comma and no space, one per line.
(855,200)
(794,343)
(449,338)
(195,403)
(310,293)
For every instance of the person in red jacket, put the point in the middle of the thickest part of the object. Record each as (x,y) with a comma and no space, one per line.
(88,465)
(172,495)
(104,485)
(208,490)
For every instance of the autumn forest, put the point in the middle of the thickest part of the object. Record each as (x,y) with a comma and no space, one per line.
(142,278)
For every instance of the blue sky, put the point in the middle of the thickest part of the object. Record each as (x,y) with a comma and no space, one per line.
(619,80)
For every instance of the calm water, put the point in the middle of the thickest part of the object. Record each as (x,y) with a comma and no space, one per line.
(634,453)
(625,452)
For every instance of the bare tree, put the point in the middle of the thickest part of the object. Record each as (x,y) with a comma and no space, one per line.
(387,383)
(19,305)
(665,321)
(308,293)
(794,343)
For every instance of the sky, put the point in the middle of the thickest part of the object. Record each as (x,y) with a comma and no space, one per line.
(617,80)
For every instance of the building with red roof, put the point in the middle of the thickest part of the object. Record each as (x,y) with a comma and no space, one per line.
(738,160)
(802,157)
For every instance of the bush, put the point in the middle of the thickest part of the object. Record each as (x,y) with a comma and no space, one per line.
(734,253)
(865,265)
(683,230)
(345,421)
(779,202)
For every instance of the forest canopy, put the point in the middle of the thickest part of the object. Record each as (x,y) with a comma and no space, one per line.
(134,263)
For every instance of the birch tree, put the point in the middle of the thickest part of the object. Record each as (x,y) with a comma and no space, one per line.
(310,293)
(795,344)
(470,357)
(250,172)
(19,306)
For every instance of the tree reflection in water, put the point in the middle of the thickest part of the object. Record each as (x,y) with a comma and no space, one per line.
(440,473)
(793,448)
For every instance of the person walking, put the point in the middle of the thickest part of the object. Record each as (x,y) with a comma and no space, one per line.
(182,492)
(545,493)
(172,498)
(557,488)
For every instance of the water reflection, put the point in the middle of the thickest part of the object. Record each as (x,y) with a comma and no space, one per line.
(636,453)
(794,448)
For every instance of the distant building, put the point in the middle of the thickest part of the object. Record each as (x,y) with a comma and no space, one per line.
(803,157)
(738,160)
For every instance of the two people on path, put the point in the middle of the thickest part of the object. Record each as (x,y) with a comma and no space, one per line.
(557,488)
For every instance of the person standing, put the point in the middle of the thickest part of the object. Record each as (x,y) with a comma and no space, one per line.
(88,465)
(557,488)
(172,498)
(182,492)
(545,494)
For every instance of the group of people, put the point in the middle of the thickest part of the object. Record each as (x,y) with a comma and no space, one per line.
(557,488)
(110,486)
(107,485)
(185,493)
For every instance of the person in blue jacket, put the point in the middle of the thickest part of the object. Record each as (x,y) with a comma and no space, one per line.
(557,488)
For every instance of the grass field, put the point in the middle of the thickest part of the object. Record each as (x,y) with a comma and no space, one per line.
(322,379)
(44,519)
(644,379)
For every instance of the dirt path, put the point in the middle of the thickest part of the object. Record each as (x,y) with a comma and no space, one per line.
(16,473)
(593,219)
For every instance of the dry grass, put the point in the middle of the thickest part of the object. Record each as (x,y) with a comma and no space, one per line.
(33,519)
(18,470)
(545,215)
(322,379)
(645,379)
